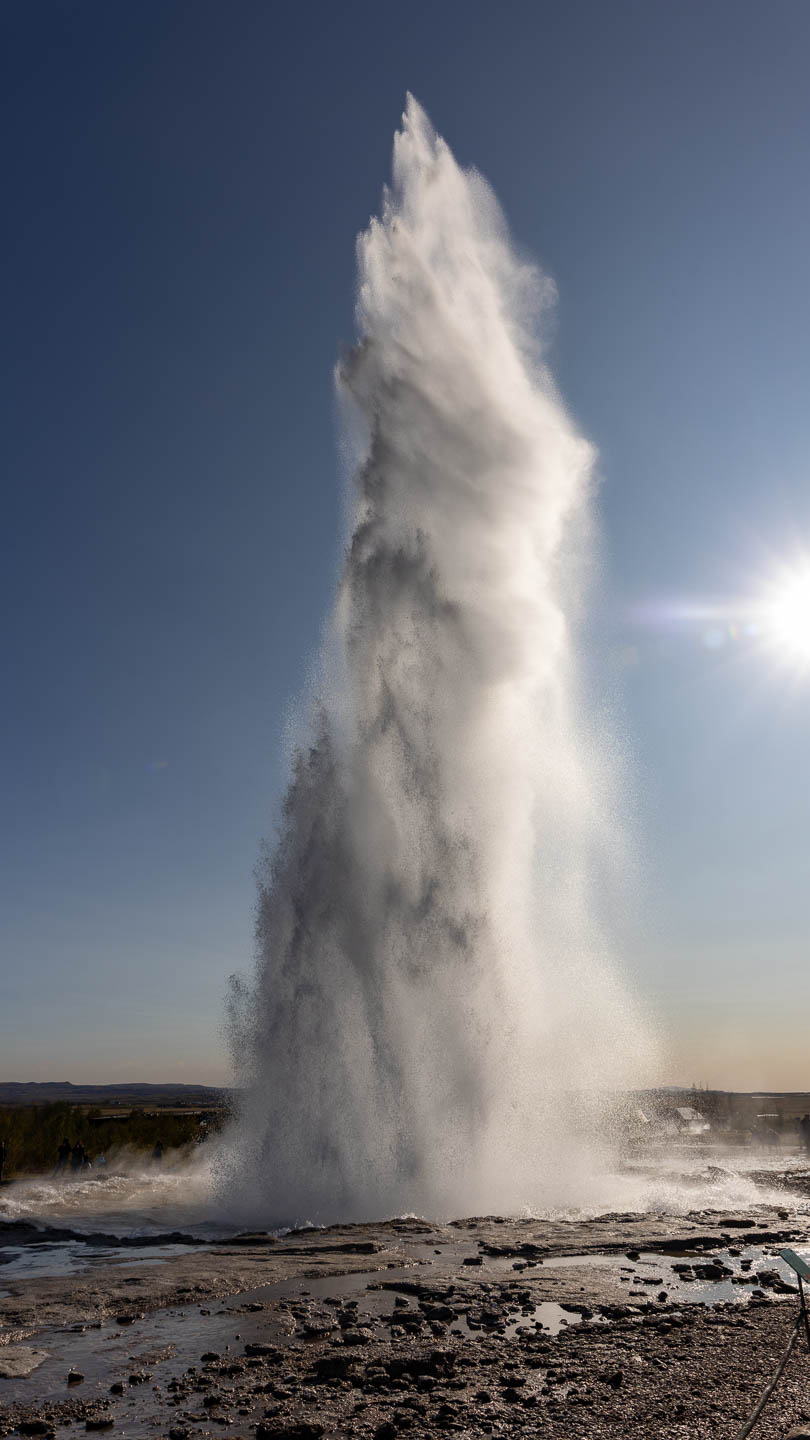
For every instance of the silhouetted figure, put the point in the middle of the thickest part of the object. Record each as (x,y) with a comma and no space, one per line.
(3,1154)
(78,1156)
(157,1153)
(64,1155)
(804,1131)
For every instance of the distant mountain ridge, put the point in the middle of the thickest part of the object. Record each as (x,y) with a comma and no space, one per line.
(136,1093)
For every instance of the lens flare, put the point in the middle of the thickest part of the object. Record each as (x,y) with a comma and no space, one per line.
(786,616)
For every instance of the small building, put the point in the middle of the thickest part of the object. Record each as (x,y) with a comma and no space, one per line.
(689,1121)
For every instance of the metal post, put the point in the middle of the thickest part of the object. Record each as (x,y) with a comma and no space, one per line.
(803,1308)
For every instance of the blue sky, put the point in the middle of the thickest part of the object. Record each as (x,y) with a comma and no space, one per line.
(184,183)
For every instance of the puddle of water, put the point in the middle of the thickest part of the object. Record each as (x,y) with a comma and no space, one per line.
(162,1345)
(168,1342)
(653,1272)
(548,1317)
(71,1257)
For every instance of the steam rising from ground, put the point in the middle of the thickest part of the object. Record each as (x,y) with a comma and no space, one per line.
(130,1194)
(133,1197)
(435,1020)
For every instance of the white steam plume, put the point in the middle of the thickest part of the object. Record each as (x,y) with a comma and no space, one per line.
(434,1022)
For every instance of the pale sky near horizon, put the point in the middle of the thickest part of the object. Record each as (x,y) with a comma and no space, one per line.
(184,183)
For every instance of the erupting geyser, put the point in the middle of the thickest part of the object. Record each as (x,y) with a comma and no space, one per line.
(434,1023)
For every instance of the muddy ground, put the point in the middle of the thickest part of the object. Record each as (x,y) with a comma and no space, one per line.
(625,1326)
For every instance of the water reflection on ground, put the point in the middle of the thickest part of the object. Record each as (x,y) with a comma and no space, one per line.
(70,1257)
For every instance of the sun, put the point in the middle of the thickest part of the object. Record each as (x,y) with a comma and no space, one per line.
(785,616)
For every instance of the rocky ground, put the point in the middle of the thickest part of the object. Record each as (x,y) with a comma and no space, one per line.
(478,1328)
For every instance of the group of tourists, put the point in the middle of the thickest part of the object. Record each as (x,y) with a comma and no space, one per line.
(73,1158)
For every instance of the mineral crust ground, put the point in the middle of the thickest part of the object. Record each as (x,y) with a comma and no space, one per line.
(627,1326)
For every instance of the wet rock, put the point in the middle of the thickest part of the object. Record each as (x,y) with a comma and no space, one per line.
(209,1355)
(301,1430)
(513,1380)
(128,1319)
(772,1280)
(343,1247)
(386,1431)
(17,1362)
(99,1422)
(712,1270)
(439,1364)
(614,1379)
(375,1375)
(117,1387)
(256,1347)
(74,1377)
(35,1427)
(333,1367)
(446,1415)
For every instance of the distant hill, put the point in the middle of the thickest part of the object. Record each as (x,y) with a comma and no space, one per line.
(134,1094)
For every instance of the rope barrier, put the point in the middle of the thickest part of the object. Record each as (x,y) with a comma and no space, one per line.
(802,1272)
(769,1389)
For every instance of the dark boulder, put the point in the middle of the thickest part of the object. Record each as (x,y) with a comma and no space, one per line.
(333,1367)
